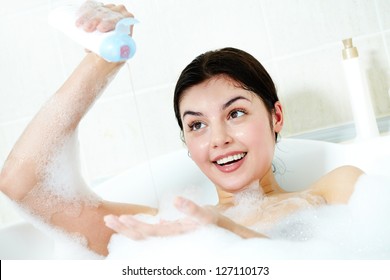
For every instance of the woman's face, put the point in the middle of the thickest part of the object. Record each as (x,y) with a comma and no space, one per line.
(228,132)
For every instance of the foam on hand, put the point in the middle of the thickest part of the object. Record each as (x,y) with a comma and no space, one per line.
(113,46)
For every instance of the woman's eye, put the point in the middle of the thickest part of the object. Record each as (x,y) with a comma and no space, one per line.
(196,126)
(236,114)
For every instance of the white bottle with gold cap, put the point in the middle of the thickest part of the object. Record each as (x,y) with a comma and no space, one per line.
(362,109)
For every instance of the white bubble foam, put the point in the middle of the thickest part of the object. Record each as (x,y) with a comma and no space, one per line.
(359,230)
(247,204)
(66,245)
(62,187)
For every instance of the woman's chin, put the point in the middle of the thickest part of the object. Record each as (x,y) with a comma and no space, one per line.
(232,187)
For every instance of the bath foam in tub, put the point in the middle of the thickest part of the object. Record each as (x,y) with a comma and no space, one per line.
(358,230)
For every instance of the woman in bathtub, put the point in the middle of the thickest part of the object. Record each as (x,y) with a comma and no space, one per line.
(226,105)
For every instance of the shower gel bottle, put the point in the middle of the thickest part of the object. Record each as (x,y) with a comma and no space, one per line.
(363,113)
(113,46)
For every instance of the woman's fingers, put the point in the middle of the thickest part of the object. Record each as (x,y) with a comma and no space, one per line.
(204,215)
(114,223)
(135,229)
(166,228)
(94,15)
(86,13)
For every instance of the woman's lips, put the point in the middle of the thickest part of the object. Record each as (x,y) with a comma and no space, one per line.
(230,163)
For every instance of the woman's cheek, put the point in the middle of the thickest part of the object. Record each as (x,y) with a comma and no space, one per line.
(198,148)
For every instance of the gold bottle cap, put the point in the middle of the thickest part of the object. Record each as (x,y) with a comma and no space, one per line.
(349,50)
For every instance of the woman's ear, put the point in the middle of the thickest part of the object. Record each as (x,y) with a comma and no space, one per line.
(277,117)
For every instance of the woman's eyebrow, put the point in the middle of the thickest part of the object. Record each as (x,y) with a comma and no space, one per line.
(192,113)
(231,101)
(224,106)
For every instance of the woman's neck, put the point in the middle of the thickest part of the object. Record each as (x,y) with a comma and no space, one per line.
(267,186)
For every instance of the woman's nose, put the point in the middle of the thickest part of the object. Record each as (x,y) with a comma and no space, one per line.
(220,137)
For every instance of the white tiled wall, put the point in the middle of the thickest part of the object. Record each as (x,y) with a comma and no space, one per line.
(298,41)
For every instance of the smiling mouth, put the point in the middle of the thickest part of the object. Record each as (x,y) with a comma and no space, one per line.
(230,159)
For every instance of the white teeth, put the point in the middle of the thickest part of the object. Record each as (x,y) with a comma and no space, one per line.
(230,158)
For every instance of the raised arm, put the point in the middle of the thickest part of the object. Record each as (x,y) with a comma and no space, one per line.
(26,176)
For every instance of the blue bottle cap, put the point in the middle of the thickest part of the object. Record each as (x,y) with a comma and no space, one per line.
(119,46)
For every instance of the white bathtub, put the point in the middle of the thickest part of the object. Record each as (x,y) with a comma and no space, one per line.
(298,163)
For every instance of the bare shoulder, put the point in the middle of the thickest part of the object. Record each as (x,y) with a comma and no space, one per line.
(337,186)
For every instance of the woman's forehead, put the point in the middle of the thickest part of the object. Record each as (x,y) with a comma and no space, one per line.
(219,87)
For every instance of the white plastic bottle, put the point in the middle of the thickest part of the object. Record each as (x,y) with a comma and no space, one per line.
(362,109)
(113,46)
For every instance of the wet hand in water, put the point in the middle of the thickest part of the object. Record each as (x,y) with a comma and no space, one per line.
(97,16)
(133,228)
